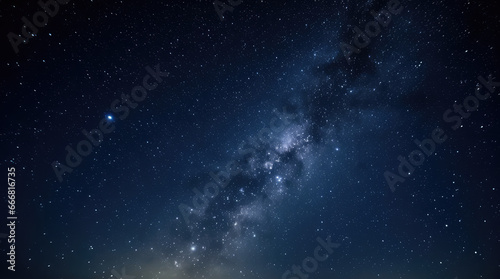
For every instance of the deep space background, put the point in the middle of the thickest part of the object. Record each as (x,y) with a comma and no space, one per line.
(322,175)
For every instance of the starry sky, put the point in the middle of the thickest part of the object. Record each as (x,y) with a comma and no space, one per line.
(230,140)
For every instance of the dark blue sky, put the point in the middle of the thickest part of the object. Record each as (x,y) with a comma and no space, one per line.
(268,90)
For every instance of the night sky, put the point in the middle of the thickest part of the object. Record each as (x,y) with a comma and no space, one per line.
(251,139)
